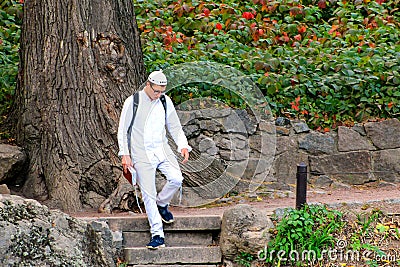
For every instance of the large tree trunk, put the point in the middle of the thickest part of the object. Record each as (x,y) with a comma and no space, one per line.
(79,61)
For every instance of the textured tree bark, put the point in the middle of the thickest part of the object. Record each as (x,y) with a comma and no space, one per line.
(79,62)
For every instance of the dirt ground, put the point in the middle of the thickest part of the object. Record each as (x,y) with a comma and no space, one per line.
(385,198)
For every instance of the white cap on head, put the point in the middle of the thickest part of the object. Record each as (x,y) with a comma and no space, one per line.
(158,77)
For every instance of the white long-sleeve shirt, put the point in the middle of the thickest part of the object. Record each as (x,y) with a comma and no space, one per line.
(148,136)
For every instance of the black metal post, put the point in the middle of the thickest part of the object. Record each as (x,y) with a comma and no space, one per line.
(301,186)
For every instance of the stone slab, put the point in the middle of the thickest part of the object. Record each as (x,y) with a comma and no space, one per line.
(349,167)
(182,223)
(141,239)
(384,134)
(177,265)
(174,255)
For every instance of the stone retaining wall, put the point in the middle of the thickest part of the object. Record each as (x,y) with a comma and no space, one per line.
(357,155)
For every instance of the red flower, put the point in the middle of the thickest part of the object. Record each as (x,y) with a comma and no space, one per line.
(248,15)
(206,12)
(21,1)
(218,26)
(295,104)
(302,29)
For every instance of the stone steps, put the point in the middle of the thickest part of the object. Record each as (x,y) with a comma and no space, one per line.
(173,255)
(183,238)
(139,223)
(179,265)
(190,241)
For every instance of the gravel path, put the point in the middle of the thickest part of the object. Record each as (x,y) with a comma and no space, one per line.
(385,198)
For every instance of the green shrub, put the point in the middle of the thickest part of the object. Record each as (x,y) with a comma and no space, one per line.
(10,11)
(309,229)
(328,62)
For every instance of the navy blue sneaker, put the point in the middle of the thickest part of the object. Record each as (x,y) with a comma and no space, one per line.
(156,242)
(166,215)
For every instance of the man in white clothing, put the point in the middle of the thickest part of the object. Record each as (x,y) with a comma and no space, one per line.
(149,150)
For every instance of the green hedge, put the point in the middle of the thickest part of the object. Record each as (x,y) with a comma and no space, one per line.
(328,62)
(10,12)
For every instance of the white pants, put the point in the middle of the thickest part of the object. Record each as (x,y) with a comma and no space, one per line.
(147,182)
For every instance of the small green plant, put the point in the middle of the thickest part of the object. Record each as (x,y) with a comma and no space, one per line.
(366,223)
(309,229)
(245,259)
(365,227)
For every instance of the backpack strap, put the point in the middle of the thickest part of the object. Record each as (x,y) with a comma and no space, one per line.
(164,103)
(134,110)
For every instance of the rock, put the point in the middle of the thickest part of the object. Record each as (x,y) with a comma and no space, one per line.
(234,148)
(359,128)
(285,144)
(207,145)
(211,113)
(323,181)
(284,167)
(191,130)
(33,235)
(244,229)
(267,127)
(263,143)
(249,121)
(300,127)
(350,140)
(352,167)
(318,143)
(4,189)
(233,124)
(231,142)
(235,155)
(210,125)
(185,117)
(12,163)
(385,134)
(282,131)
(282,121)
(387,165)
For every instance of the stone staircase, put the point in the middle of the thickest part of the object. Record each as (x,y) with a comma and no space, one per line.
(190,241)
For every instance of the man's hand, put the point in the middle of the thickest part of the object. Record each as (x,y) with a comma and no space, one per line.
(185,155)
(126,162)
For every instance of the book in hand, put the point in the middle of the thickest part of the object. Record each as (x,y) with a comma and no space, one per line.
(130,175)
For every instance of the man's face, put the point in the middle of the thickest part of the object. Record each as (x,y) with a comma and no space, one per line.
(155,91)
